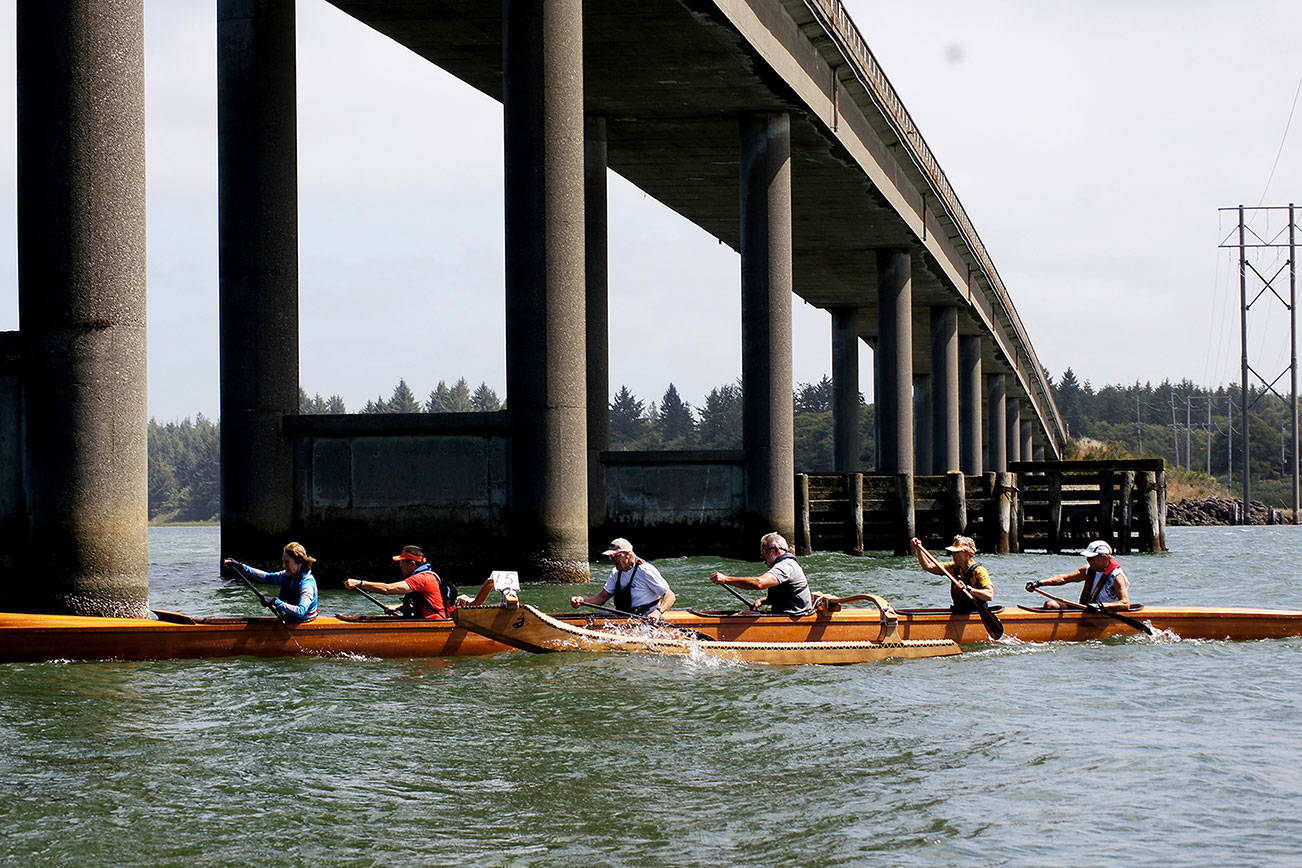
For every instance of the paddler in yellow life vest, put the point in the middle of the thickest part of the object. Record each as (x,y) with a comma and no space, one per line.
(963,567)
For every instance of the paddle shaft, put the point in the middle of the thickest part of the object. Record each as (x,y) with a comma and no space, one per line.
(1138,625)
(376,600)
(266,601)
(645,619)
(993,625)
(749,603)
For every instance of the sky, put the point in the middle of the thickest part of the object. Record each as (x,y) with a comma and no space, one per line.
(1090,143)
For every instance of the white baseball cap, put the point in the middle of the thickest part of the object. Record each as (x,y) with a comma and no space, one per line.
(1098,547)
(618,544)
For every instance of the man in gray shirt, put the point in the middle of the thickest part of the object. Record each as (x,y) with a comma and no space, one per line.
(788,590)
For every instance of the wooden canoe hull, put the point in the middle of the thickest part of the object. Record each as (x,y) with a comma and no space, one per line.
(531,630)
(69,637)
(1025,624)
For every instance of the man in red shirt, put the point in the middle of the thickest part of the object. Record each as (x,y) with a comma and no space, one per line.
(420,585)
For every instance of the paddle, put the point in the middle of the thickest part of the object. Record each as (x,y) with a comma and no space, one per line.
(1138,625)
(749,604)
(693,633)
(266,601)
(993,625)
(376,601)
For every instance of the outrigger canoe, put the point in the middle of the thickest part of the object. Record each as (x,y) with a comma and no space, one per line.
(71,637)
(531,630)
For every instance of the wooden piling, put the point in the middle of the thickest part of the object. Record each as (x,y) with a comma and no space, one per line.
(1149,526)
(856,512)
(990,511)
(804,541)
(1161,512)
(908,527)
(1004,512)
(956,492)
(1126,497)
(1107,532)
(1054,543)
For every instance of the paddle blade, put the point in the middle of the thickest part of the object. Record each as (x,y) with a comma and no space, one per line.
(992,624)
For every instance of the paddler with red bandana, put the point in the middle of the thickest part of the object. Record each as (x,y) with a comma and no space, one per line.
(1105,584)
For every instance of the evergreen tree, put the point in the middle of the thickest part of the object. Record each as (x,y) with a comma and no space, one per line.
(675,422)
(379,405)
(720,426)
(440,400)
(403,400)
(626,422)
(459,398)
(814,398)
(335,406)
(485,399)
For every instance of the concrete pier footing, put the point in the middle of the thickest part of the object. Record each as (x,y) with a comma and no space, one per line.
(546,336)
(81,300)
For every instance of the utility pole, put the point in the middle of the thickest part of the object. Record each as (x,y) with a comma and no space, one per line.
(1229,443)
(1261,245)
(1175,432)
(1209,435)
(1139,432)
(1188,432)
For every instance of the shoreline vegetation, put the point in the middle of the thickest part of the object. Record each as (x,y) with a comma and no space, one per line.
(1195,430)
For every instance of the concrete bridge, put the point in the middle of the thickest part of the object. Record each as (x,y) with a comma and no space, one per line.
(766,122)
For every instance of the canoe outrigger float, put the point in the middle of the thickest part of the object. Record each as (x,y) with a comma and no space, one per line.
(527,628)
(172,636)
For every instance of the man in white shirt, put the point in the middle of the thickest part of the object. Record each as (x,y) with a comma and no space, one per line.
(636,586)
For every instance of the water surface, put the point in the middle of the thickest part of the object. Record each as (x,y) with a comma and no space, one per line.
(1134,750)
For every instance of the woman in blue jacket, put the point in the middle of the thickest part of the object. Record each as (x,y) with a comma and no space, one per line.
(298,596)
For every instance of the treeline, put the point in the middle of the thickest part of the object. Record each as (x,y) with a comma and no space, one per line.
(183,470)
(1188,425)
(1169,420)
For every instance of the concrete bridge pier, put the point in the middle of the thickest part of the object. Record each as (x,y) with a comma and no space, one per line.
(1013,429)
(257,227)
(768,433)
(845,388)
(596,314)
(945,430)
(81,301)
(546,383)
(1028,447)
(969,404)
(894,361)
(923,435)
(997,430)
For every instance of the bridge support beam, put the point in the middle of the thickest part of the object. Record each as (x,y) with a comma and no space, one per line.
(597,315)
(257,227)
(1028,448)
(894,361)
(944,390)
(81,299)
(923,436)
(1013,429)
(845,389)
(997,428)
(546,383)
(969,404)
(768,434)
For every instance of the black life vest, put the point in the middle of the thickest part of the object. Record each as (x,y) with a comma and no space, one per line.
(785,597)
(623,595)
